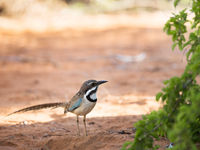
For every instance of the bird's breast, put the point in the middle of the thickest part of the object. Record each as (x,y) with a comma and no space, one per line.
(85,107)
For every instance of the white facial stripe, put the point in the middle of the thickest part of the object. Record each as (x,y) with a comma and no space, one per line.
(92,89)
(90,83)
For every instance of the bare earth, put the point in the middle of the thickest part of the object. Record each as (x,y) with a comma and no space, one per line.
(37,68)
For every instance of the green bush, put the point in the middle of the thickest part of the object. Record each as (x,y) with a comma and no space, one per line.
(179,119)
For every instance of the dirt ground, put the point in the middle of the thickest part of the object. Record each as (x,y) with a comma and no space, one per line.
(45,67)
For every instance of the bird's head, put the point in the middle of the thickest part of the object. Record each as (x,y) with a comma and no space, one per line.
(89,88)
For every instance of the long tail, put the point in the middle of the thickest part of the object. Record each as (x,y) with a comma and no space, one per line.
(38,107)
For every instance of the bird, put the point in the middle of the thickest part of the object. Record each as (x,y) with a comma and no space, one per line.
(80,104)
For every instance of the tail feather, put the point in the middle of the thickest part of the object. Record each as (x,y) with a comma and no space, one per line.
(38,107)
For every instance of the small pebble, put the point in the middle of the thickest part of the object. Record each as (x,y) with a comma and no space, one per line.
(170,146)
(91,123)
(25,122)
(123,132)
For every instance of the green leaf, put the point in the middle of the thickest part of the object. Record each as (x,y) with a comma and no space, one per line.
(125,145)
(174,45)
(158,96)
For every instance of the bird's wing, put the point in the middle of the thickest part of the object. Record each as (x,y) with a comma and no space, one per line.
(75,102)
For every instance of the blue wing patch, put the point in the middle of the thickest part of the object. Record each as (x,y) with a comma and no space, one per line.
(75,105)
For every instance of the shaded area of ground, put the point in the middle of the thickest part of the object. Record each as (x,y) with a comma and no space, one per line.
(50,67)
(107,133)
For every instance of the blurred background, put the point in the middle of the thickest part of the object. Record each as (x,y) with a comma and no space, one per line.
(48,48)
(42,15)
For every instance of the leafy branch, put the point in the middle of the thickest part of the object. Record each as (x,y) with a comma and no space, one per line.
(179,119)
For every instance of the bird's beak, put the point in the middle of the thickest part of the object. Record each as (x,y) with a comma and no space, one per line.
(101,82)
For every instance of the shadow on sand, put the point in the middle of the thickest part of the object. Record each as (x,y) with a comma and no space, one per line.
(107,133)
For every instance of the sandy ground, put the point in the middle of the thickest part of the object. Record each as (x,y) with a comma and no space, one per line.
(51,66)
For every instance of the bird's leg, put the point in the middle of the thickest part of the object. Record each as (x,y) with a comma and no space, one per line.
(77,121)
(84,120)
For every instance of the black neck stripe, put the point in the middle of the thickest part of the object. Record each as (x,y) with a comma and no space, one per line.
(89,98)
